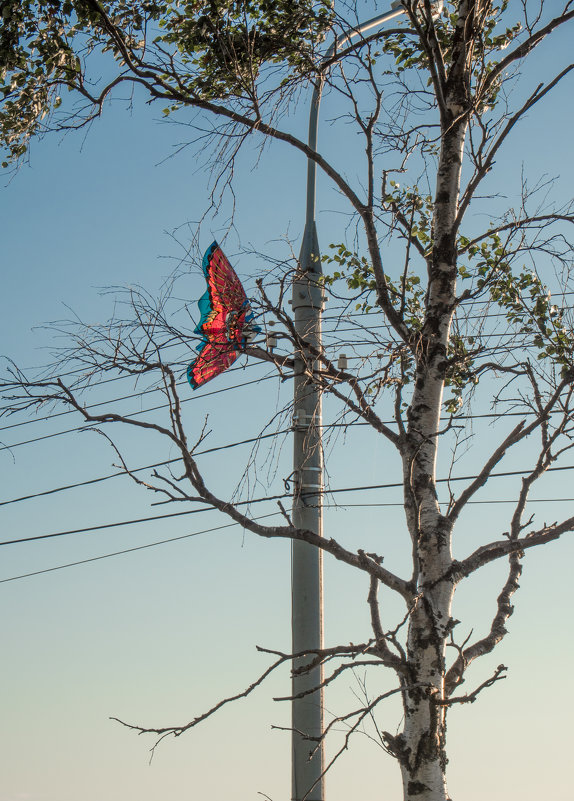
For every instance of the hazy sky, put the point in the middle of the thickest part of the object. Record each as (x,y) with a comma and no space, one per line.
(158,635)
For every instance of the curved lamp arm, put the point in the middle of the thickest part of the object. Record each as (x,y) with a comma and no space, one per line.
(396,10)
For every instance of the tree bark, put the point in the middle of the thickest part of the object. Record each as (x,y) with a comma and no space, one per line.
(420,749)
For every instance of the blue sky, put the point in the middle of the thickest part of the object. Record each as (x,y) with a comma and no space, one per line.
(158,635)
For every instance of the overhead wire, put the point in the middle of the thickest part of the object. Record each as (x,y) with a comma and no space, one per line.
(267,498)
(473,503)
(325,318)
(136,414)
(97,480)
(214,392)
(129,550)
(80,370)
(33,440)
(141,412)
(124,397)
(91,406)
(230,525)
(227,446)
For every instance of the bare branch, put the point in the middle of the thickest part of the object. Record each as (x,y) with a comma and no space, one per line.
(538,94)
(177,731)
(486,645)
(495,550)
(471,697)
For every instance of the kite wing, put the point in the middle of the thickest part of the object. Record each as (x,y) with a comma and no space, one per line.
(213,359)
(225,323)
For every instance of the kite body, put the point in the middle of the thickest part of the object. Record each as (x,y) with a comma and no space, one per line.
(226,319)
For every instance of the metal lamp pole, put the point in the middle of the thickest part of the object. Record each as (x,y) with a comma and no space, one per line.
(307,574)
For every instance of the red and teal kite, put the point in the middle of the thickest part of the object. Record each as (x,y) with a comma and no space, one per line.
(226,319)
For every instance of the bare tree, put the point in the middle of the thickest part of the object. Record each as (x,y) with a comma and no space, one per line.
(456,320)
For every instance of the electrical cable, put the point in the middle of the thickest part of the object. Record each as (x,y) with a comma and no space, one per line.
(91,406)
(166,346)
(155,408)
(135,521)
(129,550)
(232,369)
(473,503)
(230,525)
(487,316)
(124,397)
(448,480)
(146,467)
(133,414)
(99,479)
(330,491)
(33,440)
(136,414)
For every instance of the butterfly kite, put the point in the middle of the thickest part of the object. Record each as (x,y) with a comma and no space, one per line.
(226,319)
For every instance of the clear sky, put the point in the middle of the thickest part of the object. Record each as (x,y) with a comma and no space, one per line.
(157,635)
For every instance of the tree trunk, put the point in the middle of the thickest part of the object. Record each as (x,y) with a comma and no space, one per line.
(420,748)
(421,752)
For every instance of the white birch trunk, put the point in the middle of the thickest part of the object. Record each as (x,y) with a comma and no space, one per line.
(421,747)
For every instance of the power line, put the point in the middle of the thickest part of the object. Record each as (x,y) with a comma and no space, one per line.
(250,440)
(339,318)
(124,397)
(161,406)
(335,331)
(448,480)
(330,491)
(138,520)
(43,437)
(94,369)
(128,550)
(146,467)
(326,318)
(91,406)
(473,503)
(230,525)
(136,414)
(106,526)
(467,303)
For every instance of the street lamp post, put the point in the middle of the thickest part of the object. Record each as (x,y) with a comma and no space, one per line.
(307,574)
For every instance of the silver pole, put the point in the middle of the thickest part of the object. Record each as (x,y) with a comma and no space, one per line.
(307,564)
(307,584)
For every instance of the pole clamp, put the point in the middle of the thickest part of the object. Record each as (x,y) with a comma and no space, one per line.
(302,418)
